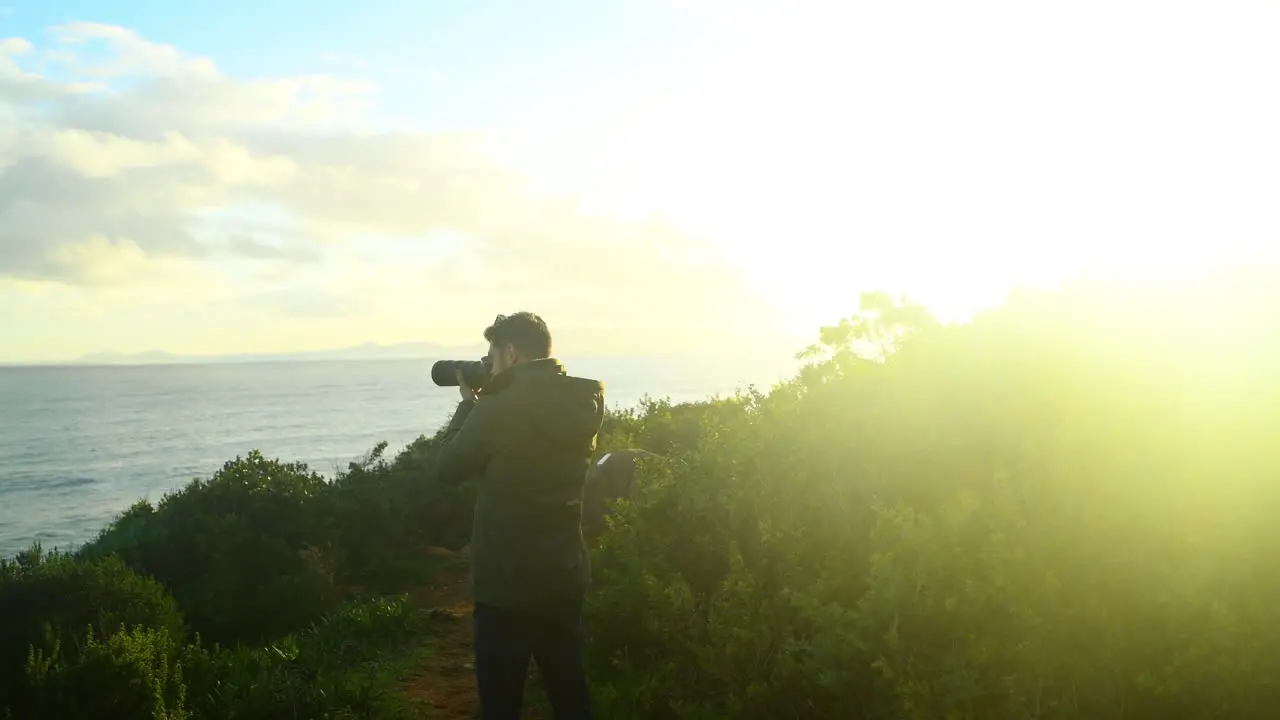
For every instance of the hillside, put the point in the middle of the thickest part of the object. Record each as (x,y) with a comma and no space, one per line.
(1060,510)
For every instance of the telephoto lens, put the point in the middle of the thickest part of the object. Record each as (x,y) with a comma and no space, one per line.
(475,372)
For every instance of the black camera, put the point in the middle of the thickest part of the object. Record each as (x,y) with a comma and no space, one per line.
(474,372)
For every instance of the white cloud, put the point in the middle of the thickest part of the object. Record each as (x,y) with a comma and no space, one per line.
(130,55)
(15,46)
(125,162)
(831,147)
(181,139)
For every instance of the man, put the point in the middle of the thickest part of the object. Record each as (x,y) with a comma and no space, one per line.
(527,437)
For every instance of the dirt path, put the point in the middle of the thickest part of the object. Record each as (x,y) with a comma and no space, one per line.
(446,686)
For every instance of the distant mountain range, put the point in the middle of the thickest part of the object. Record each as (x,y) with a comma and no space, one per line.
(367,351)
(418,351)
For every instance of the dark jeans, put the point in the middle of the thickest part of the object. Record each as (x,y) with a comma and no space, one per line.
(505,639)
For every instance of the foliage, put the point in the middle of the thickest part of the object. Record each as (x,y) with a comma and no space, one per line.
(1061,509)
(287,542)
(260,557)
(55,604)
(339,668)
(133,674)
(256,535)
(1055,511)
(387,515)
(661,427)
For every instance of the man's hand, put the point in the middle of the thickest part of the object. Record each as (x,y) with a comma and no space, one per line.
(463,388)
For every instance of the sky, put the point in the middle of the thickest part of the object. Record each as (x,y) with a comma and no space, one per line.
(650,175)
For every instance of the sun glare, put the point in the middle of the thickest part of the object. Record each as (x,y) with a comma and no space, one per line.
(908,162)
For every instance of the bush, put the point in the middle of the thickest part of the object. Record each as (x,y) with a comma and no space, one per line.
(1056,511)
(133,674)
(387,515)
(248,553)
(1060,510)
(338,668)
(255,555)
(660,427)
(55,603)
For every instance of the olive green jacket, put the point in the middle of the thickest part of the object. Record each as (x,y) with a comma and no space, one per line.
(527,440)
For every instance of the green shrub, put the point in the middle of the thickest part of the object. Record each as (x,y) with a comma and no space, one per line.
(387,514)
(1060,510)
(338,668)
(1063,509)
(133,674)
(662,427)
(247,553)
(49,601)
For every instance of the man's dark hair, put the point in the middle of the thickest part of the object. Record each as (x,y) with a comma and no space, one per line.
(524,331)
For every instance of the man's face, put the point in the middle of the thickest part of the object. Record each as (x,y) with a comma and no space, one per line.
(501,357)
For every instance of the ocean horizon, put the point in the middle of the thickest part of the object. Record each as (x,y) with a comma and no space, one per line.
(79,443)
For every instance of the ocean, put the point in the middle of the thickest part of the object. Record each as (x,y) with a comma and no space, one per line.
(79,444)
